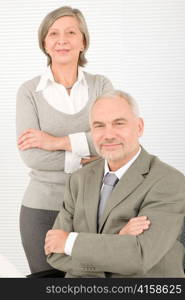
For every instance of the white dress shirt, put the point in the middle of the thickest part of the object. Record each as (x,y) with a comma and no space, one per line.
(57,96)
(119,173)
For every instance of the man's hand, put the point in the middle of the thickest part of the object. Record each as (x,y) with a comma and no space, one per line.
(136,226)
(55,241)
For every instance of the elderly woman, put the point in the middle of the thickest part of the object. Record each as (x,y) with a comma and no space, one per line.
(52,125)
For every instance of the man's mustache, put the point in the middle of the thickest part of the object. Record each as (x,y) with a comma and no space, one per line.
(111,141)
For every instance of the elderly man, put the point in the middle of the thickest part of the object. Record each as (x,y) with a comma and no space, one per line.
(123,214)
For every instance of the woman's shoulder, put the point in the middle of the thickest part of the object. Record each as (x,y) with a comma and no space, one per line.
(98,82)
(30,84)
(93,77)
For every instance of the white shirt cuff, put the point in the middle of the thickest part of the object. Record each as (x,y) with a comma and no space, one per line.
(72,162)
(70,242)
(79,144)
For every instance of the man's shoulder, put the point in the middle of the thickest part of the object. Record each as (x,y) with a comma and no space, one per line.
(94,165)
(165,169)
(157,167)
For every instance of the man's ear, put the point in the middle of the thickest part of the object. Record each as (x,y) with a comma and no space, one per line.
(140,127)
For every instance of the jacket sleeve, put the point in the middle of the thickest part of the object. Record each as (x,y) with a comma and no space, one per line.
(125,254)
(27,117)
(64,221)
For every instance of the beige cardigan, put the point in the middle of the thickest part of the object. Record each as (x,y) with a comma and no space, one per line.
(46,187)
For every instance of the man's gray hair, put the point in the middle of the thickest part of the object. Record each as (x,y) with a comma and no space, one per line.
(118,94)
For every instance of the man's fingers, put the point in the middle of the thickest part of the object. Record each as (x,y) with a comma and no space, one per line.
(136,226)
(142,223)
(136,232)
(47,251)
(139,225)
(50,232)
(139,218)
(48,246)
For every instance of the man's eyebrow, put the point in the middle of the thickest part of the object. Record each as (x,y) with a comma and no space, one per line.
(97,122)
(120,119)
(113,121)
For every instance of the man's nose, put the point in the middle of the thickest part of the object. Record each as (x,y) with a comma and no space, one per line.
(109,132)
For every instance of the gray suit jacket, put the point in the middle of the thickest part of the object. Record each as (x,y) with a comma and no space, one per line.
(149,187)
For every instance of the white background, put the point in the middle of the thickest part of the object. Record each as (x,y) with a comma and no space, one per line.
(138,44)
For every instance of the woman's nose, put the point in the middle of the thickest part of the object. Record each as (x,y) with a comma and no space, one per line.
(62,39)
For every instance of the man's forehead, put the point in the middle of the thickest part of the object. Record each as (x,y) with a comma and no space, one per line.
(108,120)
(114,99)
(112,104)
(111,108)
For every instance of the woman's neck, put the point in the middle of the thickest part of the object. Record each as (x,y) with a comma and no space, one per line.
(66,75)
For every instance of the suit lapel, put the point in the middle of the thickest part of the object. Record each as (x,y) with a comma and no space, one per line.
(92,189)
(127,184)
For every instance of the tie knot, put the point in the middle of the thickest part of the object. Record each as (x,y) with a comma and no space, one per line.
(110,179)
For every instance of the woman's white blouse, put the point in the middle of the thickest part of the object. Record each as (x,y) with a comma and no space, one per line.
(57,96)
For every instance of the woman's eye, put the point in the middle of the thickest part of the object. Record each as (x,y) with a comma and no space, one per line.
(52,33)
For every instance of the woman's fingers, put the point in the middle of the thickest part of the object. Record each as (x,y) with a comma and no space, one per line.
(25,137)
(28,143)
(29,139)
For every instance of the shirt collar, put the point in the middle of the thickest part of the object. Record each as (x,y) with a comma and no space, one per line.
(120,172)
(47,78)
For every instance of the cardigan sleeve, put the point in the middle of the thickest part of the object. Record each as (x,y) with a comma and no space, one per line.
(27,117)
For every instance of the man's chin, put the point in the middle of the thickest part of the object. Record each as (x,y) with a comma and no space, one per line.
(112,156)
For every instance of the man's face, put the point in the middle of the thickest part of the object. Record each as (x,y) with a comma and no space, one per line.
(115,130)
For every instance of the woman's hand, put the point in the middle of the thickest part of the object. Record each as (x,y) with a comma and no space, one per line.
(136,226)
(32,138)
(85,161)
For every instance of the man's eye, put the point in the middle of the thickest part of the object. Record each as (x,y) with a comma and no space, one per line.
(119,123)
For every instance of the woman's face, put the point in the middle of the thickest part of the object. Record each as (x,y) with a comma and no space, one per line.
(64,41)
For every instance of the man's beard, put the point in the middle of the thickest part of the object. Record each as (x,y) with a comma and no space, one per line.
(113,155)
